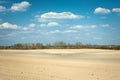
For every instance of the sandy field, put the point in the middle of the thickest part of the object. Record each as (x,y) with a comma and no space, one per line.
(60,64)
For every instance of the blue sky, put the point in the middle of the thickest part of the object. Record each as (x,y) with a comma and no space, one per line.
(48,21)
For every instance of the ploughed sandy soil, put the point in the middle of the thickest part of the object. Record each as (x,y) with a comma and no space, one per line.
(60,64)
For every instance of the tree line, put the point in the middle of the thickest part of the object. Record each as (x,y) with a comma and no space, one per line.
(59,45)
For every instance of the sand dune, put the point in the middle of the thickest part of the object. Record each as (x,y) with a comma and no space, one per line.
(60,64)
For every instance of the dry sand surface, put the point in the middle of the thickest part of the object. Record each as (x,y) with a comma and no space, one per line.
(60,64)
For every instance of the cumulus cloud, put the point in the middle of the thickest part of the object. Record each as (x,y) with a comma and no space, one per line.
(101,10)
(32,25)
(53,24)
(50,24)
(2,9)
(7,25)
(116,10)
(83,27)
(50,16)
(16,7)
(20,6)
(105,25)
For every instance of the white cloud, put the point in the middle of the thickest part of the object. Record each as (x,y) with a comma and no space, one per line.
(25,28)
(55,31)
(70,31)
(83,27)
(58,31)
(7,25)
(32,25)
(101,10)
(50,16)
(2,9)
(50,24)
(105,25)
(20,6)
(43,25)
(116,10)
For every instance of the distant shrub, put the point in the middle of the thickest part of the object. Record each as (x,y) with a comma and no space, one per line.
(59,45)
